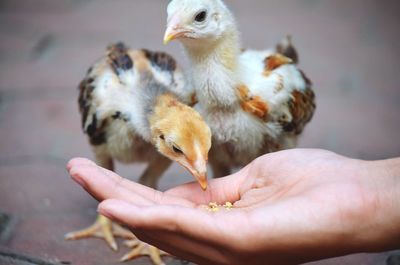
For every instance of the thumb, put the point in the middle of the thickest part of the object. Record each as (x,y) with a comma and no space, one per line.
(219,190)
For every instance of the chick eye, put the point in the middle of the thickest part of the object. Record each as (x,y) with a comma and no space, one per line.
(162,137)
(201,16)
(177,150)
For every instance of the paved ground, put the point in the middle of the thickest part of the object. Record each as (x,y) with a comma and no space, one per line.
(349,48)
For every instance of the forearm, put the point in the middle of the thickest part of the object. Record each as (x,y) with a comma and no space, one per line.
(383,231)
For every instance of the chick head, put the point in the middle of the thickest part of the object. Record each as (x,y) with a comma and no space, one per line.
(182,135)
(194,20)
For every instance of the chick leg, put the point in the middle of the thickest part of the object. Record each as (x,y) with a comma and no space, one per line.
(155,169)
(220,170)
(102,227)
(157,166)
(140,249)
(218,162)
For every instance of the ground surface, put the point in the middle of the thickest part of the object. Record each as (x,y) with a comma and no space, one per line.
(348,48)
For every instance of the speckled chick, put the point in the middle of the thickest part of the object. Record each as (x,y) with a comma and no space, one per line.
(135,108)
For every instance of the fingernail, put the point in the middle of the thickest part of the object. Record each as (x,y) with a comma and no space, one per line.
(69,166)
(104,210)
(79,180)
(105,213)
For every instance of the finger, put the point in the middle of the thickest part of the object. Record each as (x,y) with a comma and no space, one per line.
(85,171)
(159,232)
(182,247)
(216,230)
(79,161)
(101,186)
(227,189)
(213,228)
(190,221)
(76,163)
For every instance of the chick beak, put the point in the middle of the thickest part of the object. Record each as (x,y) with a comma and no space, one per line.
(174,30)
(200,173)
(169,36)
(172,34)
(202,179)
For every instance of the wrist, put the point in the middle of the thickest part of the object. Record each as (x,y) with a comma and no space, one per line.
(382,184)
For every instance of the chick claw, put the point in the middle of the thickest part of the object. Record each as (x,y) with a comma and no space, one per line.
(143,249)
(102,228)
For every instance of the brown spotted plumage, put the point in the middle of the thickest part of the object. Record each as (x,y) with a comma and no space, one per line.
(252,104)
(160,59)
(119,58)
(302,108)
(287,49)
(94,128)
(274,61)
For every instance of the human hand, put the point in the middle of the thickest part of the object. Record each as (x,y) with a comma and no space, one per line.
(289,207)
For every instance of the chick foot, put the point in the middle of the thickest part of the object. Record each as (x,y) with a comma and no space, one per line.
(102,228)
(141,249)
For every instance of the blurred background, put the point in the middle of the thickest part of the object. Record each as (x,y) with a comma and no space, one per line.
(349,48)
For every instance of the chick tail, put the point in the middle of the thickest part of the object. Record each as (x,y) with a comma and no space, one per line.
(119,57)
(121,60)
(286,48)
